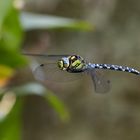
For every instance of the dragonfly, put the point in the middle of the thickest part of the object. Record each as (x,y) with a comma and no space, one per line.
(70,67)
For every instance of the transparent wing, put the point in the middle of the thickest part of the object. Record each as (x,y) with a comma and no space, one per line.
(44,58)
(101,84)
(47,68)
(51,72)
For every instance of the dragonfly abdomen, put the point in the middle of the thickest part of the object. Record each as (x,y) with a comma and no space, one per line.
(114,67)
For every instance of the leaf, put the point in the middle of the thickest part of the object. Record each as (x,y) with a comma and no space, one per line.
(32,21)
(5,6)
(11,35)
(10,127)
(11,58)
(12,31)
(5,71)
(52,99)
(5,74)
(58,106)
(30,89)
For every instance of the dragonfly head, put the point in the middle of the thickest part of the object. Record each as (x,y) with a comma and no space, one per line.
(73,63)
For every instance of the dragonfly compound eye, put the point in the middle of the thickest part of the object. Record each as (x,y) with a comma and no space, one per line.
(62,65)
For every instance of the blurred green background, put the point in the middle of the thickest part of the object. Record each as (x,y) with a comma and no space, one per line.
(102,31)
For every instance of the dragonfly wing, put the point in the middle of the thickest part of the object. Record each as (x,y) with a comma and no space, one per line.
(101,84)
(47,69)
(51,72)
(44,58)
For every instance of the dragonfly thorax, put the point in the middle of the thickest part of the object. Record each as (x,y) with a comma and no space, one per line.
(73,64)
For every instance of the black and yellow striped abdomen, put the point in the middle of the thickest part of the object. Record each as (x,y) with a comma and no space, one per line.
(114,67)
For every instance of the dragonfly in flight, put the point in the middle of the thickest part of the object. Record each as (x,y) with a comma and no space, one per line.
(58,67)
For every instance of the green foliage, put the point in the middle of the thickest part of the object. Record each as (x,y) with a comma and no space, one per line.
(5,6)
(10,41)
(53,100)
(10,127)
(12,25)
(10,57)
(10,35)
(58,106)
